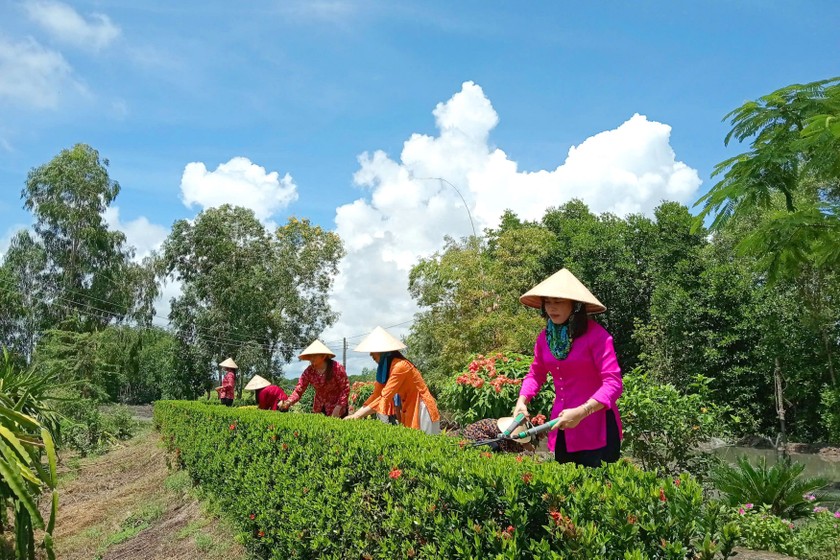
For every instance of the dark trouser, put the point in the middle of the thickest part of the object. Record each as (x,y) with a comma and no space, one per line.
(227,402)
(591,457)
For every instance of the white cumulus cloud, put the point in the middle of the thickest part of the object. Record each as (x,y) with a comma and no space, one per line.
(33,75)
(416,200)
(140,233)
(67,25)
(238,182)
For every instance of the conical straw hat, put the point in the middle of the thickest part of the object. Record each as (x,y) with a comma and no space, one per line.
(257,382)
(229,363)
(379,341)
(316,348)
(562,284)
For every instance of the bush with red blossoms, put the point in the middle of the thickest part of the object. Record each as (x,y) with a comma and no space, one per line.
(489,387)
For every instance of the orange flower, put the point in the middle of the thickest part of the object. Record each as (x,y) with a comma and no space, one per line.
(631,519)
(233,426)
(261,534)
(662,497)
(395,473)
(527,477)
(252,516)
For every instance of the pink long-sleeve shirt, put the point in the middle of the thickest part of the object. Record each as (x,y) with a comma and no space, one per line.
(590,371)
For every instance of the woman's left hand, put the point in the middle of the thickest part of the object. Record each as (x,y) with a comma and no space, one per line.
(570,418)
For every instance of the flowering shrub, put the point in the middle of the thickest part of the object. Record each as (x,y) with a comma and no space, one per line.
(489,387)
(308,486)
(360,391)
(664,427)
(761,530)
(819,537)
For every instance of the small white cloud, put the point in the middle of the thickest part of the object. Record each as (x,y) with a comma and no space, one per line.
(68,26)
(631,168)
(33,75)
(238,182)
(140,233)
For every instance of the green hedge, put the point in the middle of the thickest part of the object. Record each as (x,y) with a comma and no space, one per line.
(308,486)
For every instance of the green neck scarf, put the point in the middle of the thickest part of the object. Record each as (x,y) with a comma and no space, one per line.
(559,339)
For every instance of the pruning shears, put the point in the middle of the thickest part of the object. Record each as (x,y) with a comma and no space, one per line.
(510,434)
(506,434)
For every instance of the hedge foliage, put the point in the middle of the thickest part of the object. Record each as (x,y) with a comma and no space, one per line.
(308,486)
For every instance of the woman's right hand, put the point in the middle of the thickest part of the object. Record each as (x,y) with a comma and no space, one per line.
(521,407)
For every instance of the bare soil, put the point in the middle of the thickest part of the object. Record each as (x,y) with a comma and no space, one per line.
(127,504)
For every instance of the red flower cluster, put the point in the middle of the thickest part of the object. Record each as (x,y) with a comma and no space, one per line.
(395,473)
(565,523)
(538,420)
(233,427)
(508,533)
(662,497)
(252,516)
(261,534)
(527,477)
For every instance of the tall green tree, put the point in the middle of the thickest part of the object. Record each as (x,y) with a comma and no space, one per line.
(791,171)
(23,295)
(89,278)
(245,292)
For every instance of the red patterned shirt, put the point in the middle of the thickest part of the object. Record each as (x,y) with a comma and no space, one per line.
(228,383)
(328,393)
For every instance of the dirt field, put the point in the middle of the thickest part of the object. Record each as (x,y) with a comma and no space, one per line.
(127,505)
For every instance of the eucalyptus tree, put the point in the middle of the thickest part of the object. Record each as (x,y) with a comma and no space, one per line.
(247,293)
(23,293)
(89,278)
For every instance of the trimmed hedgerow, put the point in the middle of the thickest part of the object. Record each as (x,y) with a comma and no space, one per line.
(309,486)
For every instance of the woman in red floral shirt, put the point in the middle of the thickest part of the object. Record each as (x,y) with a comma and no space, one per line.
(228,382)
(268,396)
(329,379)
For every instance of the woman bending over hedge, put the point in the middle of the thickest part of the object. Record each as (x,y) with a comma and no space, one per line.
(400,391)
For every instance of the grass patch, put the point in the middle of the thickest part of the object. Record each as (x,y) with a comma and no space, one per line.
(191,529)
(204,542)
(178,482)
(132,526)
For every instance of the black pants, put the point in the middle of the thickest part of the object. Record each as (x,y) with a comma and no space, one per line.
(591,457)
(227,402)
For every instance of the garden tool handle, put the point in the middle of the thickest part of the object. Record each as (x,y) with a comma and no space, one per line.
(537,429)
(518,419)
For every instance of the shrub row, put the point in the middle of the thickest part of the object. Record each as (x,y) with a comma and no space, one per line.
(308,486)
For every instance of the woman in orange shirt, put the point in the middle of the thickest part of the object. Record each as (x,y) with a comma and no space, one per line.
(400,390)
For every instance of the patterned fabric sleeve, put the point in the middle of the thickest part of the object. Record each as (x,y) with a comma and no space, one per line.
(300,389)
(343,383)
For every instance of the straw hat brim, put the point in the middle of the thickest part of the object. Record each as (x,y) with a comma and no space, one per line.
(505,421)
(256,383)
(229,363)
(380,341)
(315,349)
(564,285)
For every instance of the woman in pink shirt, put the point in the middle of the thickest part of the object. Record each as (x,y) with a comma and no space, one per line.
(579,355)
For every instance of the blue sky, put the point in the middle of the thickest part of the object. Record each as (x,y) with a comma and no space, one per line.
(169,91)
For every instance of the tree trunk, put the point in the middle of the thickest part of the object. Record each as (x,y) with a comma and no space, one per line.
(780,407)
